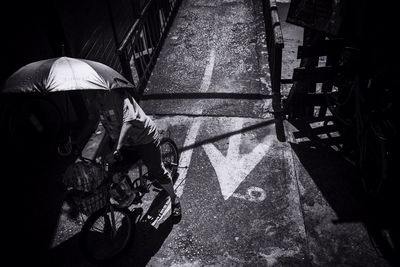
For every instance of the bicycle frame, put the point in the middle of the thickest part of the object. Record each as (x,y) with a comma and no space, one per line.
(114,221)
(116,181)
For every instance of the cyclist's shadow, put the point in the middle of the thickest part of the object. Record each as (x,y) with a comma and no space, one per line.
(144,244)
(147,240)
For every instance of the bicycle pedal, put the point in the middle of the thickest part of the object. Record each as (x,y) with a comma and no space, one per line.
(183,167)
(144,189)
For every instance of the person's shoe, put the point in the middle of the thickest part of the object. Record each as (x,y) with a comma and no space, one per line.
(157,185)
(176,211)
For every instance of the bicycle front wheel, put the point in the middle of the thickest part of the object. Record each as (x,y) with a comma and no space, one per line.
(169,155)
(106,233)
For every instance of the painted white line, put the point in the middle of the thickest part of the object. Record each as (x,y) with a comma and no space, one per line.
(205,83)
(184,161)
(197,108)
(186,156)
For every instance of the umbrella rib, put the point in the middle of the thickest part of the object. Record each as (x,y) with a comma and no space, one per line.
(73,73)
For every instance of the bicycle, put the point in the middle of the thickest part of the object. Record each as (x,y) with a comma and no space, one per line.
(378,134)
(110,225)
(365,107)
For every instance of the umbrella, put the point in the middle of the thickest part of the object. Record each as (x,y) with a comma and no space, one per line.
(43,79)
(64,74)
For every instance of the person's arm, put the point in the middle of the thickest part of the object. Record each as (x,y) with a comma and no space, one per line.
(123,135)
(129,116)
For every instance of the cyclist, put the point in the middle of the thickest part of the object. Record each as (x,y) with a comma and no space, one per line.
(134,132)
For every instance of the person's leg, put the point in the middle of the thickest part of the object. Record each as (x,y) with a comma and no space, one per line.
(151,156)
(129,157)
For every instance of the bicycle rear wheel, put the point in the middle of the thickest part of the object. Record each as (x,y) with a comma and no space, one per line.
(106,234)
(169,155)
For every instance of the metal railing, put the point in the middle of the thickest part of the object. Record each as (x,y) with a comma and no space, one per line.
(103,28)
(140,48)
(275,44)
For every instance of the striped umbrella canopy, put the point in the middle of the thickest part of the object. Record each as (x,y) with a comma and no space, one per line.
(64,74)
(34,108)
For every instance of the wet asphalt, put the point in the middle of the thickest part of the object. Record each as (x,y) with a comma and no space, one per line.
(247,199)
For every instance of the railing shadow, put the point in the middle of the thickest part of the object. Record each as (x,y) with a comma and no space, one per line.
(338,179)
(227,135)
(213,95)
(335,178)
(318,145)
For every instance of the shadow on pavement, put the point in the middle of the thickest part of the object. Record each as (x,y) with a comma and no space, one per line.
(32,169)
(206,96)
(34,199)
(335,179)
(67,254)
(145,242)
(148,241)
(227,135)
(339,182)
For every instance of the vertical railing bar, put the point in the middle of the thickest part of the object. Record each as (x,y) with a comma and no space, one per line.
(275,45)
(140,54)
(148,37)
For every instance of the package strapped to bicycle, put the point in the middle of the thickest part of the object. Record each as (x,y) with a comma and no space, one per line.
(86,178)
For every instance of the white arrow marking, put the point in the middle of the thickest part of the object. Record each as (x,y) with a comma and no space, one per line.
(234,168)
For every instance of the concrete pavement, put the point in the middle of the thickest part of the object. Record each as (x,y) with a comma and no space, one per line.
(248,199)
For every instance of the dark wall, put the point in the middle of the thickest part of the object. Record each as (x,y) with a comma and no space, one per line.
(94,28)
(371,26)
(30,166)
(35,30)
(31,32)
